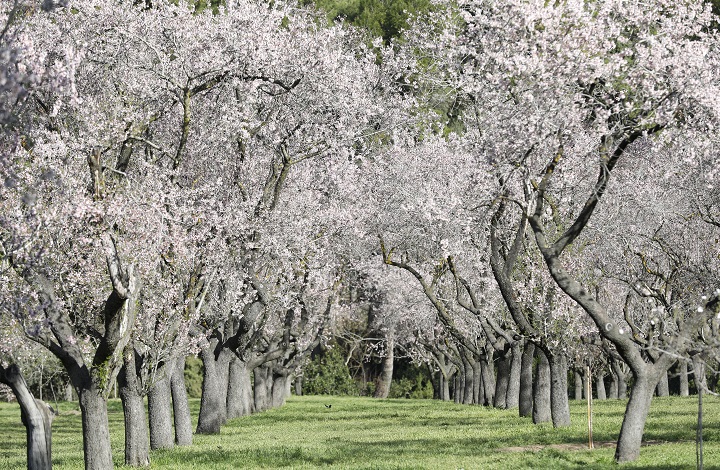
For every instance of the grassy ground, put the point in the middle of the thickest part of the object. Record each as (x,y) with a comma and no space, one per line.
(361,433)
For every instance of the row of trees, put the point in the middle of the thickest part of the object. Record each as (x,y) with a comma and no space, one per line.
(241,183)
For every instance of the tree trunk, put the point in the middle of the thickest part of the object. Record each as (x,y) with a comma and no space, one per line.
(181,407)
(213,413)
(35,416)
(663,386)
(477,382)
(513,390)
(541,390)
(458,386)
(526,380)
(613,392)
(579,380)
(160,415)
(298,385)
(240,393)
(638,407)
(382,387)
(488,380)
(95,428)
(621,379)
(468,384)
(600,386)
(559,405)
(261,388)
(137,446)
(503,379)
(279,390)
(684,383)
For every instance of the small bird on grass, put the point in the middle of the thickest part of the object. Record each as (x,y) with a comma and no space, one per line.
(328,406)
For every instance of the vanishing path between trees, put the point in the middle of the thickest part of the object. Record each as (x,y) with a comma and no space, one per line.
(352,432)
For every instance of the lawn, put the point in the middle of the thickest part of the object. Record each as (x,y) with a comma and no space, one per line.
(362,433)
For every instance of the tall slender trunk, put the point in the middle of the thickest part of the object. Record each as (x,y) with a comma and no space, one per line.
(382,387)
(684,383)
(663,386)
(160,415)
(541,389)
(600,386)
(35,416)
(633,425)
(559,405)
(213,413)
(477,382)
(488,378)
(503,379)
(137,445)
(613,392)
(240,393)
(513,389)
(181,407)
(526,380)
(621,378)
(298,385)
(95,428)
(469,382)
(579,380)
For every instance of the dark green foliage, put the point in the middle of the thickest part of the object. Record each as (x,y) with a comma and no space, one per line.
(193,376)
(383,18)
(410,381)
(327,374)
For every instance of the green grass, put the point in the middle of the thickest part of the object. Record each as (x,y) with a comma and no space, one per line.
(362,433)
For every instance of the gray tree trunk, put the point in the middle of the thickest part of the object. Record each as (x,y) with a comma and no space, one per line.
(279,390)
(477,382)
(137,445)
(541,390)
(468,384)
(600,386)
(621,378)
(458,387)
(298,386)
(503,379)
(160,415)
(35,416)
(240,393)
(638,407)
(382,386)
(213,412)
(613,392)
(488,380)
(684,383)
(95,428)
(261,389)
(663,386)
(526,380)
(181,407)
(559,404)
(579,381)
(513,390)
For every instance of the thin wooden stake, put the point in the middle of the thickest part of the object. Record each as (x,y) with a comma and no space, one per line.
(588,394)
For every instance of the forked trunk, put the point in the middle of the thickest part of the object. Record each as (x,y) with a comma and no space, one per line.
(160,415)
(181,407)
(526,380)
(541,390)
(95,428)
(559,404)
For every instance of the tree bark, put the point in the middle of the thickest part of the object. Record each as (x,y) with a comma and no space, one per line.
(526,380)
(95,428)
(513,390)
(298,386)
(600,386)
(137,446)
(488,379)
(559,405)
(684,382)
(213,412)
(503,379)
(279,389)
(541,390)
(261,389)
(663,386)
(579,380)
(382,387)
(160,415)
(613,392)
(633,425)
(181,407)
(621,379)
(469,382)
(240,393)
(35,416)
(477,382)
